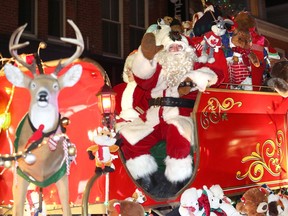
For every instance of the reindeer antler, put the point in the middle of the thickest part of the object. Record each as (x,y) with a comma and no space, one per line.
(80,47)
(14,46)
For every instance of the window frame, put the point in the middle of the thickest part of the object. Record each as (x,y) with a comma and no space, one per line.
(137,27)
(33,32)
(119,53)
(62,24)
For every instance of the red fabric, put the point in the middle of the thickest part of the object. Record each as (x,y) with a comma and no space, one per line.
(212,39)
(219,66)
(100,153)
(162,131)
(117,206)
(257,72)
(204,203)
(119,91)
(244,54)
(140,98)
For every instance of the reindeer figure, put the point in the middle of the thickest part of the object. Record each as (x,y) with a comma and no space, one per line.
(43,118)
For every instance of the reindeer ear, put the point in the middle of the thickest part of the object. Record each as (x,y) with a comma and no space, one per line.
(71,77)
(15,76)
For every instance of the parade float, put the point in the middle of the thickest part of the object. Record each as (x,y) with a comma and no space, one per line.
(239,142)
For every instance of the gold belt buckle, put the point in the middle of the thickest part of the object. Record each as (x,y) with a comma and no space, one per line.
(158,101)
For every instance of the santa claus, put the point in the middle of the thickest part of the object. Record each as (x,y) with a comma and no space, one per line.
(164,67)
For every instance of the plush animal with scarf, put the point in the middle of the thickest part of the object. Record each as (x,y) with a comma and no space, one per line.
(246,59)
(254,202)
(212,40)
(124,208)
(41,133)
(225,202)
(211,203)
(104,143)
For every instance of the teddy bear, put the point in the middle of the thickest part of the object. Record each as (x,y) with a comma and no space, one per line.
(189,204)
(212,40)
(279,77)
(248,51)
(124,208)
(254,202)
(104,143)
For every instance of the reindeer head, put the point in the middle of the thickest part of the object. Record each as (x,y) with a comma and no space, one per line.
(44,88)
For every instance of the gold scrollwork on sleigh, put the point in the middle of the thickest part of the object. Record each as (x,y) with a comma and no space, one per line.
(268,158)
(214,111)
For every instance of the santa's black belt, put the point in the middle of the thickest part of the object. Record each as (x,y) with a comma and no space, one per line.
(172,102)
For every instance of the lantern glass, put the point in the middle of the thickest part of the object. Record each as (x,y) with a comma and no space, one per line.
(106,100)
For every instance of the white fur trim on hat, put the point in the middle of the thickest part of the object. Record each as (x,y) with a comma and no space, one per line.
(141,166)
(178,170)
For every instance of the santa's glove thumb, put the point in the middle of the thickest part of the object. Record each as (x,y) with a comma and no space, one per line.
(91,155)
(149,47)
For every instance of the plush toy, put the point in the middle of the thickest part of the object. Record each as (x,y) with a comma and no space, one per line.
(254,202)
(137,196)
(279,78)
(104,140)
(248,46)
(225,202)
(273,202)
(214,204)
(212,40)
(189,204)
(282,205)
(203,21)
(160,22)
(124,208)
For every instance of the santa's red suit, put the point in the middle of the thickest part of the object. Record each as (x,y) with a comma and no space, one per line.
(165,119)
(131,100)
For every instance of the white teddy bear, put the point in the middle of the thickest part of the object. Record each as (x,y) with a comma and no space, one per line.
(189,204)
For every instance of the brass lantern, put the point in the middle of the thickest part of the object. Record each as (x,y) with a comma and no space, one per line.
(106,104)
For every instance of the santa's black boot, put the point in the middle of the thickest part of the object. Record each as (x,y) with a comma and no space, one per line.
(146,183)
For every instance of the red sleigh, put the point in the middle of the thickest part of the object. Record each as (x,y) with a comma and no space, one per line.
(241,142)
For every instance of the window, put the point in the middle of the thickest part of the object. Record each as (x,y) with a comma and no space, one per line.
(137,26)
(27,14)
(55,17)
(111,27)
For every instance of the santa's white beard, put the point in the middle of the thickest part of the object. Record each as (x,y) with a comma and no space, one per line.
(175,65)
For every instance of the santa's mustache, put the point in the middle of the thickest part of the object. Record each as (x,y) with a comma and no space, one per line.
(175,65)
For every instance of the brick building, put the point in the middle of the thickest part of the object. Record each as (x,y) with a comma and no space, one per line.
(111,28)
